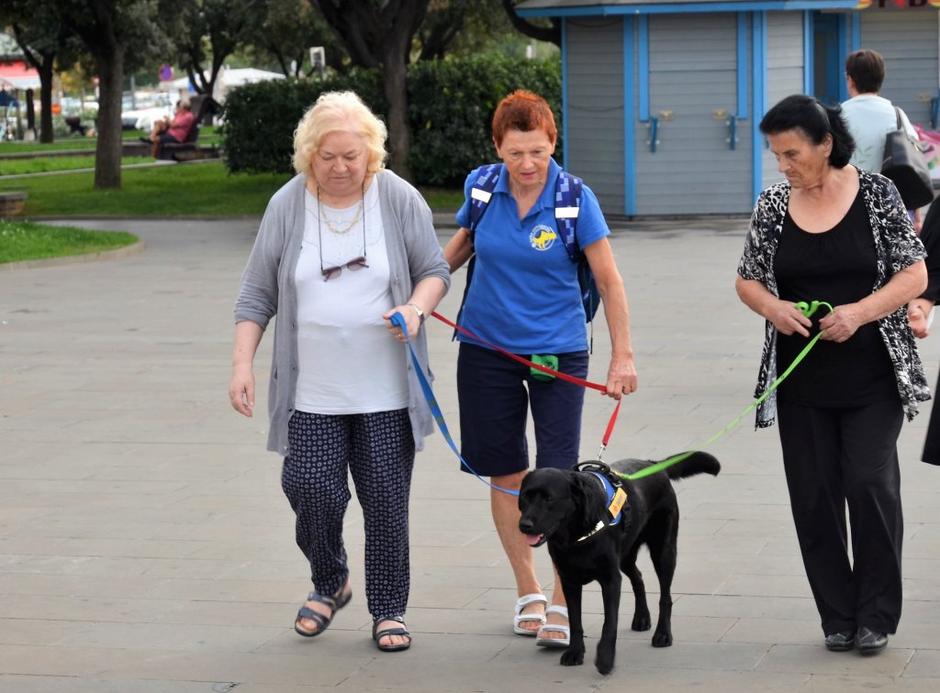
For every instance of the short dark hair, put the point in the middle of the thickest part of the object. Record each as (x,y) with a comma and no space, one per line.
(816,121)
(867,69)
(523,110)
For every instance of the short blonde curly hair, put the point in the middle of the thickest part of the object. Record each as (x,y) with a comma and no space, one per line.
(339,111)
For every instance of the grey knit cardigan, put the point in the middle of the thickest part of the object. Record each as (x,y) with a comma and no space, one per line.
(268,289)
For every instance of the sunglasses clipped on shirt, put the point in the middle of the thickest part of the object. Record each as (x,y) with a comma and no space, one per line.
(333,272)
(356,263)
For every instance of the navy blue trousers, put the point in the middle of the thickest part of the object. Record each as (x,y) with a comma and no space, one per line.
(495,394)
(378,450)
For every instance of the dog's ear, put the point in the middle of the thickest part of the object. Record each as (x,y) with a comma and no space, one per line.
(586,505)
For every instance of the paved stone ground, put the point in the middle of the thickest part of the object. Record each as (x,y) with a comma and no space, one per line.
(145,544)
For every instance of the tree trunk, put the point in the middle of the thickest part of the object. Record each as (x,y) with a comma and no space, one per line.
(399,137)
(46,133)
(111,83)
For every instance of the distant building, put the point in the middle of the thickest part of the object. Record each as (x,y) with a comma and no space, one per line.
(661,97)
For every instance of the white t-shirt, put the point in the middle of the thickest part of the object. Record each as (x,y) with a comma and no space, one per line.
(870,118)
(348,361)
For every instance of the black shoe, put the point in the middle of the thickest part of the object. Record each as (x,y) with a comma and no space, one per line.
(871,641)
(841,641)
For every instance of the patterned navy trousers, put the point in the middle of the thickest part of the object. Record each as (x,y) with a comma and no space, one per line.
(378,449)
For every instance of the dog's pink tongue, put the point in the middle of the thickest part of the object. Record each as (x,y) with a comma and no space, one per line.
(533,539)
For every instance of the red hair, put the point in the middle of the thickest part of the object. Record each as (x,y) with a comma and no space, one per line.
(523,110)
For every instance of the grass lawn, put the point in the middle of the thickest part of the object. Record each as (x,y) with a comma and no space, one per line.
(202,189)
(165,191)
(207,135)
(66,143)
(9,167)
(23,240)
(443,199)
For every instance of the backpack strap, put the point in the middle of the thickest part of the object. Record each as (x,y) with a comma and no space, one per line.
(568,190)
(567,206)
(482,192)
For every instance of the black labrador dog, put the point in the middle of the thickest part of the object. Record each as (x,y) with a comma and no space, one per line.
(573,510)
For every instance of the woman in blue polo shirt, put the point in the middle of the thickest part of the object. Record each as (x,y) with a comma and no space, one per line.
(524,296)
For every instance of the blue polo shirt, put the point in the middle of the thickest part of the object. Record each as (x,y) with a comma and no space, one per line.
(524,295)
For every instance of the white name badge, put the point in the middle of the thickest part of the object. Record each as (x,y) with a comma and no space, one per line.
(566,212)
(481,195)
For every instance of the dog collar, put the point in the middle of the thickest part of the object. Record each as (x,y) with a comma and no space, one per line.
(616,497)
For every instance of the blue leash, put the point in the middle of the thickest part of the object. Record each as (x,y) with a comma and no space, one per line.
(399,322)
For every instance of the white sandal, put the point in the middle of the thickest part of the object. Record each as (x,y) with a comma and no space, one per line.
(520,617)
(553,628)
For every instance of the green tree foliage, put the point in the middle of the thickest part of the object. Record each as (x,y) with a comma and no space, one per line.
(206,32)
(288,29)
(541,30)
(447,20)
(379,34)
(120,36)
(467,28)
(452,103)
(46,42)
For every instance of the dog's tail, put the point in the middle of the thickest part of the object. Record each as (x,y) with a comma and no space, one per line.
(696,463)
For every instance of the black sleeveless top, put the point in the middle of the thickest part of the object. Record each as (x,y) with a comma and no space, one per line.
(837,266)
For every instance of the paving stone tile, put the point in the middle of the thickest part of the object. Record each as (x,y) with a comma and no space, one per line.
(145,544)
(69,684)
(819,683)
(924,664)
(816,659)
(769,631)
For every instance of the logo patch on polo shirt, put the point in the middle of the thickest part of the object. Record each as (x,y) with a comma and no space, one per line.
(542,237)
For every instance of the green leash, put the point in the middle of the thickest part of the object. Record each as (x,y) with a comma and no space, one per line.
(808,309)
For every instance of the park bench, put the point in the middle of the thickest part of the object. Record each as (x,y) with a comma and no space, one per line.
(12,203)
(182,151)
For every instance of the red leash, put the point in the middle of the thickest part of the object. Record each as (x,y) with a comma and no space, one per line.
(545,369)
(515,357)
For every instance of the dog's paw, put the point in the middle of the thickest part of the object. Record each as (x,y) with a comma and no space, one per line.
(572,657)
(604,663)
(662,639)
(641,622)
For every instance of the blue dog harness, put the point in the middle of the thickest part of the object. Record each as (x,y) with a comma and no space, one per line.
(614,493)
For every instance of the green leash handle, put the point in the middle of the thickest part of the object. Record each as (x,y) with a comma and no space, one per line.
(807,309)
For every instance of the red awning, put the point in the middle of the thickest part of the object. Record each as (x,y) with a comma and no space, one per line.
(18,75)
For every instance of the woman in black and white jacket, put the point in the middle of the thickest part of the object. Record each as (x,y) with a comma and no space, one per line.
(838,234)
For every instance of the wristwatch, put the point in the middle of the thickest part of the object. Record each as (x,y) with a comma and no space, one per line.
(419,312)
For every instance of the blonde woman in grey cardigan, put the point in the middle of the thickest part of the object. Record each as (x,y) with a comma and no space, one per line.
(343,246)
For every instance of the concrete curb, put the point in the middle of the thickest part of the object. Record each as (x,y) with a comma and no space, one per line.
(115,254)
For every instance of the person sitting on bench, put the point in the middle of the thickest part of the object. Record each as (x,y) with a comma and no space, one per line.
(175,131)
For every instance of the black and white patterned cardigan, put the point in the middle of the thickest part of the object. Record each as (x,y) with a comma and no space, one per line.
(896,247)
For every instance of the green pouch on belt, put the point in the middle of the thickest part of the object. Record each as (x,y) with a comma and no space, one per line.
(547,360)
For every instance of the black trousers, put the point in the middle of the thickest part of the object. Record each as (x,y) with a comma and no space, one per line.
(847,457)
(931,453)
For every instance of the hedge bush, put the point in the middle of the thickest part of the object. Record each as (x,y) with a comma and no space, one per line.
(258,134)
(451,103)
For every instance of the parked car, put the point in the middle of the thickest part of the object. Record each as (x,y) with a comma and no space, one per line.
(150,108)
(72,106)
(146,117)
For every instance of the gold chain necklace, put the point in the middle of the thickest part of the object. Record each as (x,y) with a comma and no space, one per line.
(338,227)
